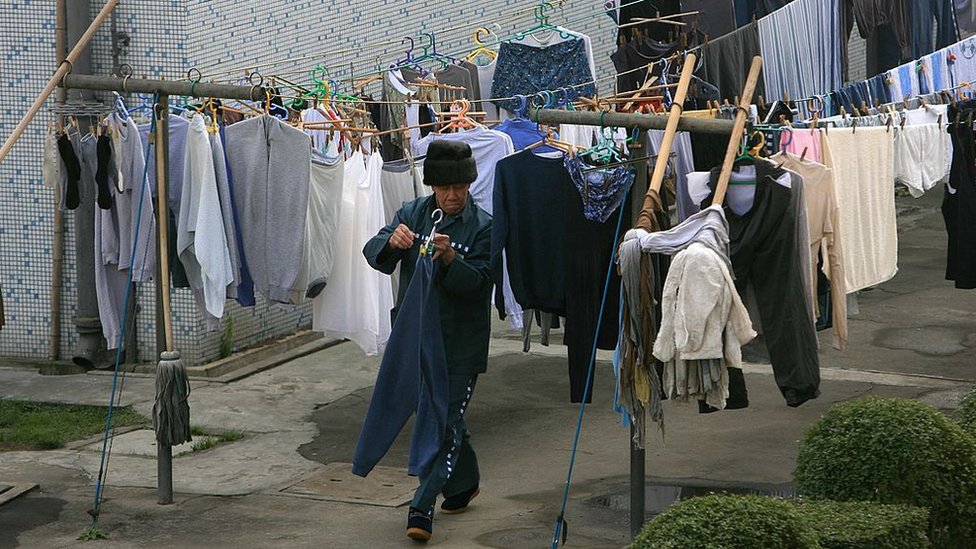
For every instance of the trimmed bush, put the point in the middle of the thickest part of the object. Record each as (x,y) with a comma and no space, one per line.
(967,413)
(894,451)
(866,525)
(728,522)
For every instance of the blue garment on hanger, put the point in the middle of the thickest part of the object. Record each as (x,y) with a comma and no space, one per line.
(245,288)
(527,70)
(412,378)
(524,132)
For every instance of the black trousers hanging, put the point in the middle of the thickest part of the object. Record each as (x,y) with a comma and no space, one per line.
(959,206)
(594,244)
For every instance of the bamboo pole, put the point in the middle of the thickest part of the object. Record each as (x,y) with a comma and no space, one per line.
(63,69)
(740,124)
(162,211)
(676,107)
(646,216)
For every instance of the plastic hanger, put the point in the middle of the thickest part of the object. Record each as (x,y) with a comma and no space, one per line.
(542,24)
(483,52)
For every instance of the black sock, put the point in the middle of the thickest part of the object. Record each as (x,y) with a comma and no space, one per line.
(104,149)
(72,198)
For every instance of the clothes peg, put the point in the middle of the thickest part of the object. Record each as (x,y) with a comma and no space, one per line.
(888,129)
(903,118)
(856,112)
(803,154)
(853,126)
(864,107)
(843,112)
(786,95)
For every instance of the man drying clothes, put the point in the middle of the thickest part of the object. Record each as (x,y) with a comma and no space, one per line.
(460,245)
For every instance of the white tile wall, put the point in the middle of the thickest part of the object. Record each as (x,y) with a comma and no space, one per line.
(216,36)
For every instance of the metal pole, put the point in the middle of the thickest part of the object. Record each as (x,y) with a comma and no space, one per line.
(637,483)
(87,351)
(166,87)
(57,246)
(637,464)
(164,452)
(631,120)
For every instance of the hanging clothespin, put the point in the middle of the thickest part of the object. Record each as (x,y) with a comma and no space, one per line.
(853,125)
(904,117)
(786,96)
(857,113)
(864,107)
(904,102)
(804,154)
(888,124)
(843,112)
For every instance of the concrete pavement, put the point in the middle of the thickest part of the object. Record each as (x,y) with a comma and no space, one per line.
(915,337)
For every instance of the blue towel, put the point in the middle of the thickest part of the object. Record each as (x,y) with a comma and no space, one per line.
(412,377)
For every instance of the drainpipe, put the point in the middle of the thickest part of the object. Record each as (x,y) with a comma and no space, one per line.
(86,354)
(57,247)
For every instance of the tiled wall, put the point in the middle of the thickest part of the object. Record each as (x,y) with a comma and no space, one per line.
(220,38)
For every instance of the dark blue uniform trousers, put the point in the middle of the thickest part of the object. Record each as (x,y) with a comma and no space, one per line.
(412,378)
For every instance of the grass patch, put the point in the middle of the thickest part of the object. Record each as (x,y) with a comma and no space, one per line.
(207,440)
(93,534)
(41,426)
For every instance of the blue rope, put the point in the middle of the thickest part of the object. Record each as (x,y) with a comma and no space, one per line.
(561,529)
(99,487)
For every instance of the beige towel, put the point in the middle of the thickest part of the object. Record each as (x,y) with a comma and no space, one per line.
(863,165)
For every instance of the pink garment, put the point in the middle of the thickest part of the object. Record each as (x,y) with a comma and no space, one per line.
(800,139)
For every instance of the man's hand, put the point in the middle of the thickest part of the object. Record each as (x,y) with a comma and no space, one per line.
(402,238)
(443,249)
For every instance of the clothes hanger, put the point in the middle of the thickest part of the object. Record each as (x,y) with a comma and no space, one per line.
(483,52)
(459,118)
(542,24)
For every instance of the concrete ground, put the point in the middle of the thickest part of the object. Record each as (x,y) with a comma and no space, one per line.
(281,484)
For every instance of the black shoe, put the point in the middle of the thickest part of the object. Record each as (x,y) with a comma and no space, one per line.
(459,503)
(420,525)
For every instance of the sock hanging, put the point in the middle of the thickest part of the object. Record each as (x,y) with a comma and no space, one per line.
(72,198)
(101,174)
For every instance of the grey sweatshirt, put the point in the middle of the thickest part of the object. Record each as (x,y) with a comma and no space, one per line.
(270,165)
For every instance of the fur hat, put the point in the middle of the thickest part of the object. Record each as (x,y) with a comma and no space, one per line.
(449,163)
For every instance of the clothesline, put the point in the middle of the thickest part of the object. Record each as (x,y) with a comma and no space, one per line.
(511,98)
(461,53)
(819,98)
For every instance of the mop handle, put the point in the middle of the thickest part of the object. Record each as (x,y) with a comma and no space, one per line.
(437,215)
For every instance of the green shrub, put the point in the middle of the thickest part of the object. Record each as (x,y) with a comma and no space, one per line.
(894,451)
(967,413)
(866,525)
(728,522)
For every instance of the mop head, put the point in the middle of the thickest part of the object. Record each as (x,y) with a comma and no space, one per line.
(171,412)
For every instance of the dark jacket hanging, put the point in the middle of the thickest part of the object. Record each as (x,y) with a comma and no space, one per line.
(765,256)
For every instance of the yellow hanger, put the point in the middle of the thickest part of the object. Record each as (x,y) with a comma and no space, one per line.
(482,50)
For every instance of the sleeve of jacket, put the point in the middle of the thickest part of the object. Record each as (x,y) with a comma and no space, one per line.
(499,236)
(378,255)
(470,277)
